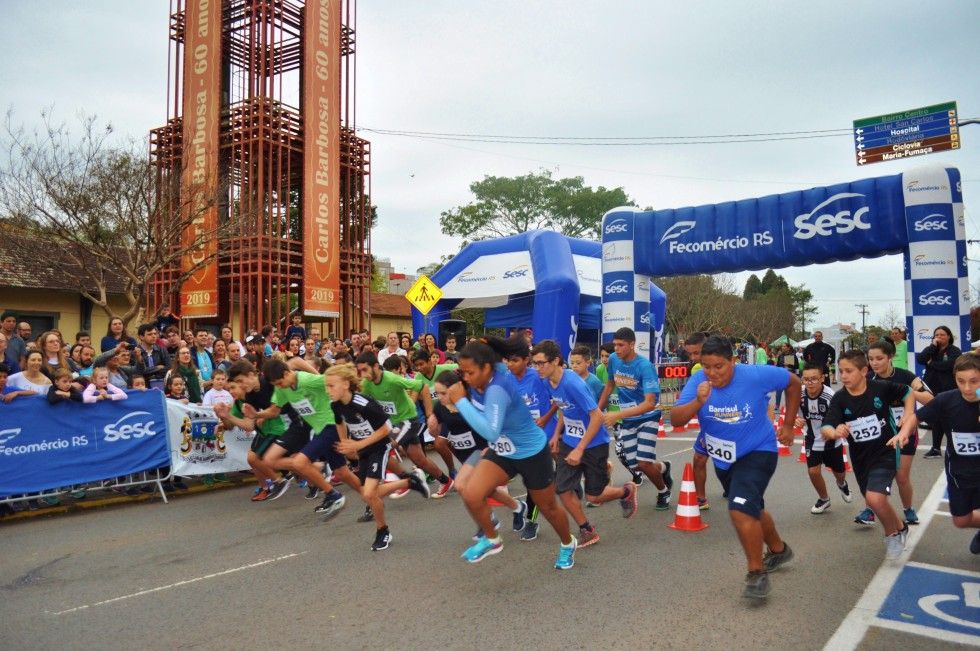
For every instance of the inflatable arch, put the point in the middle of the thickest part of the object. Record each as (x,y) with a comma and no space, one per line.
(539,279)
(918,213)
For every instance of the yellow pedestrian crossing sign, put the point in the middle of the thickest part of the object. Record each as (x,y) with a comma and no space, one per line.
(424,294)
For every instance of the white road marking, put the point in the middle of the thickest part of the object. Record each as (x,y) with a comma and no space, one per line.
(176,585)
(942,568)
(851,631)
(927,631)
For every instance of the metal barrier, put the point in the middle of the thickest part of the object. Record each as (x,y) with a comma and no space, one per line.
(145,478)
(673,378)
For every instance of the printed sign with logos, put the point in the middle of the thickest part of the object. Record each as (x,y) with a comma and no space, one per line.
(915,132)
(200,444)
(46,446)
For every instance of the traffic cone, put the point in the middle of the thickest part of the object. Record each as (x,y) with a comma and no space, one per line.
(847,460)
(693,423)
(688,516)
(661,429)
(802,457)
(679,428)
(784,450)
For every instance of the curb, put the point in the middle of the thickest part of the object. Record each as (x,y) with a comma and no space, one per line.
(116,500)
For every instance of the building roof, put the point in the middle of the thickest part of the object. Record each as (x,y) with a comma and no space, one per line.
(28,264)
(390,305)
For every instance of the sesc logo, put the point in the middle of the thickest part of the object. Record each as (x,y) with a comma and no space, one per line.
(517,272)
(936,297)
(645,319)
(933,222)
(616,226)
(833,222)
(129,426)
(618,287)
(677,230)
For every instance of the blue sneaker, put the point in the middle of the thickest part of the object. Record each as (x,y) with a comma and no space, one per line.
(867,516)
(911,517)
(520,516)
(566,556)
(482,549)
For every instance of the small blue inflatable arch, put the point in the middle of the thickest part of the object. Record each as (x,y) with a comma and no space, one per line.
(918,213)
(539,279)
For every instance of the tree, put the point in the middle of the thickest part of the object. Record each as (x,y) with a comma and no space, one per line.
(772,281)
(892,319)
(510,205)
(803,307)
(103,206)
(753,288)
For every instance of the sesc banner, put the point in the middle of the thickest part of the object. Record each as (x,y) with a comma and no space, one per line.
(46,446)
(201,445)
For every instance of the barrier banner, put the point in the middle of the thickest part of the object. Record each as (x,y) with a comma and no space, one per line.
(200,444)
(46,446)
(321,158)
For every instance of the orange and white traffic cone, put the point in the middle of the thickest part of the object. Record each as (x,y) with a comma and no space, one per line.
(784,450)
(688,516)
(847,460)
(693,423)
(661,429)
(674,429)
(802,457)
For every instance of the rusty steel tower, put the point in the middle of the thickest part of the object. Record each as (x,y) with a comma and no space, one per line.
(261,110)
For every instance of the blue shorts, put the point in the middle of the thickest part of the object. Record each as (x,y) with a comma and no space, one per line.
(699,445)
(746,480)
(964,494)
(639,440)
(321,448)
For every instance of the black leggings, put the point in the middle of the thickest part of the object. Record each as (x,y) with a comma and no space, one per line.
(937,436)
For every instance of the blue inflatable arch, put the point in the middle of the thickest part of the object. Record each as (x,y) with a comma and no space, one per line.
(918,213)
(539,279)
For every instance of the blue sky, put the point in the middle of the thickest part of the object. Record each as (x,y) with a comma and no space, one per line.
(572,68)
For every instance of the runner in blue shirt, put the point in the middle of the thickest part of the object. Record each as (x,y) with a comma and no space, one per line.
(580,443)
(731,401)
(495,410)
(536,396)
(635,380)
(579,360)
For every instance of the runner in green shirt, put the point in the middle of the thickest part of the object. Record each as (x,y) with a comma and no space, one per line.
(427,371)
(390,390)
(307,394)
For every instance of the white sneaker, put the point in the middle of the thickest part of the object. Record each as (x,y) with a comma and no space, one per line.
(894,546)
(820,506)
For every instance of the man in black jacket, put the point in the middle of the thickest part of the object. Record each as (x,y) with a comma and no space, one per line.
(154,357)
(820,353)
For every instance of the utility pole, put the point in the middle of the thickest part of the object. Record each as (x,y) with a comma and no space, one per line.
(864,313)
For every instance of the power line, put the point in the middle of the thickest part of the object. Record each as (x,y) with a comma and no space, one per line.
(864,313)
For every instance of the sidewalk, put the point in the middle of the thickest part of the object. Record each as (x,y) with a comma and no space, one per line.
(105,498)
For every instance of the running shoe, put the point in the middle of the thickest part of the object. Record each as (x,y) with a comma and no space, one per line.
(279,488)
(867,516)
(483,548)
(444,489)
(703,504)
(628,500)
(894,546)
(566,555)
(520,516)
(493,520)
(51,500)
(382,539)
(911,517)
(933,453)
(975,544)
(330,506)
(588,537)
(530,532)
(302,483)
(400,493)
(367,516)
(663,500)
(668,480)
(820,506)
(592,505)
(261,494)
(334,481)
(757,585)
(904,533)
(416,482)
(312,492)
(845,493)
(773,561)
(222,477)
(637,478)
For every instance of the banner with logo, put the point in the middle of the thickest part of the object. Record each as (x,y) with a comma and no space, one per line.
(46,446)
(321,158)
(201,445)
(199,174)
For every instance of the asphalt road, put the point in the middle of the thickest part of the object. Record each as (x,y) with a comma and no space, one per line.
(216,571)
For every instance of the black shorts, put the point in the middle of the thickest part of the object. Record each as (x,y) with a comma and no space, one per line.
(878,476)
(909,448)
(407,432)
(964,493)
(746,480)
(322,448)
(465,450)
(261,443)
(593,466)
(294,438)
(373,464)
(537,471)
(832,457)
